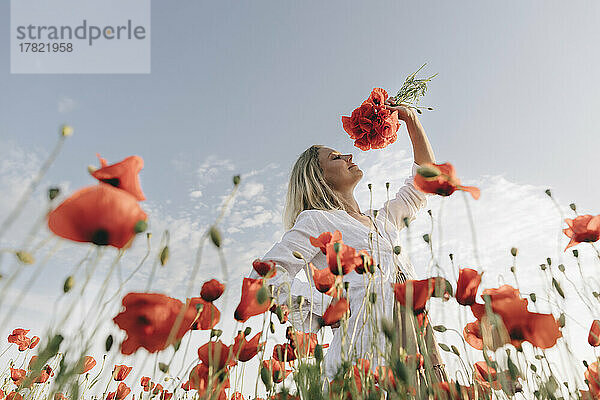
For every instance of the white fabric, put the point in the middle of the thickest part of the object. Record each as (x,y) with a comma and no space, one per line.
(407,202)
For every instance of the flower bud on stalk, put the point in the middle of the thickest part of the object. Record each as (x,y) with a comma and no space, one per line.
(215,236)
(164,255)
(68,285)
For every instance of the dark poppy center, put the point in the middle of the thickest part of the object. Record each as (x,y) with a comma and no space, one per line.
(116,182)
(100,237)
(143,320)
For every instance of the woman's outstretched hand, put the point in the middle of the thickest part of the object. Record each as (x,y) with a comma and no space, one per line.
(404,113)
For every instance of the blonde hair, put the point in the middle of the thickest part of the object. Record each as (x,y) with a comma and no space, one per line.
(307,189)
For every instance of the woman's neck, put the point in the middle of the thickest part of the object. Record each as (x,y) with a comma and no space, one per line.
(350,203)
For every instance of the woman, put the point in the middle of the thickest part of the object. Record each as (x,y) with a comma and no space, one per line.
(320,199)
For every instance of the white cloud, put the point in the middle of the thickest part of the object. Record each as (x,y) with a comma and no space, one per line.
(195,194)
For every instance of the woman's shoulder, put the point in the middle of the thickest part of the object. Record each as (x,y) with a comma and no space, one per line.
(313,217)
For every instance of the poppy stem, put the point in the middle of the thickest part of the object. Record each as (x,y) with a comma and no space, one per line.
(472,225)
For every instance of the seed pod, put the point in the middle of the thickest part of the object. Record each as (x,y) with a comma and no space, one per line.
(373,297)
(514,251)
(298,255)
(387,185)
(68,285)
(216,333)
(451,256)
(66,130)
(455,350)
(215,236)
(439,328)
(397,249)
(548,192)
(561,320)
(370,186)
(163,367)
(444,347)
(53,193)
(549,261)
(236,180)
(576,252)
(272,327)
(247,331)
(561,267)
(573,207)
(426,237)
(533,297)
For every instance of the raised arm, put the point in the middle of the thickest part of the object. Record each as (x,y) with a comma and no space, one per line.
(422,151)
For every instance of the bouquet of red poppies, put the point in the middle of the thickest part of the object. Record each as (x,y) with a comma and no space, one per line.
(373,125)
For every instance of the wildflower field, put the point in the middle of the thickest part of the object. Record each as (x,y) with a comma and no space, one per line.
(505,343)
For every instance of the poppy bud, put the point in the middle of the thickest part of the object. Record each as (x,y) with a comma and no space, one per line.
(247,331)
(573,207)
(426,237)
(561,267)
(549,261)
(91,169)
(455,350)
(576,252)
(543,267)
(533,367)
(373,297)
(163,367)
(596,294)
(444,347)
(428,171)
(140,226)
(561,320)
(558,288)
(25,257)
(164,255)
(439,328)
(430,108)
(215,333)
(300,300)
(533,297)
(109,342)
(262,295)
(387,185)
(514,251)
(419,111)
(548,192)
(397,249)
(406,221)
(512,269)
(318,353)
(236,180)
(375,212)
(369,186)
(451,256)
(66,130)
(272,327)
(53,192)
(215,236)
(297,255)
(265,376)
(585,363)
(177,345)
(69,282)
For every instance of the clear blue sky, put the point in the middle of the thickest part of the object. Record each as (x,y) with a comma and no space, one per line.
(244,87)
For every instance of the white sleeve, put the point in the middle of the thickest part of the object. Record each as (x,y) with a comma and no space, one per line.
(408,201)
(288,266)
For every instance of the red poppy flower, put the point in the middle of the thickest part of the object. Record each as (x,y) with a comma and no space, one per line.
(282,311)
(372,125)
(187,386)
(44,375)
(166,395)
(541,330)
(486,375)
(88,364)
(421,290)
(325,281)
(244,350)
(336,310)
(348,258)
(593,378)
(367,263)
(212,290)
(217,354)
(384,376)
(146,384)
(266,268)
(208,317)
(148,319)
(199,380)
(249,304)
(324,239)
(284,352)
(17,375)
(120,372)
(14,396)
(122,175)
(466,288)
(444,183)
(18,337)
(584,228)
(277,369)
(594,336)
(472,334)
(157,389)
(303,343)
(122,391)
(34,342)
(100,214)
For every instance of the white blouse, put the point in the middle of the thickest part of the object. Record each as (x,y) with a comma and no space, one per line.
(389,221)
